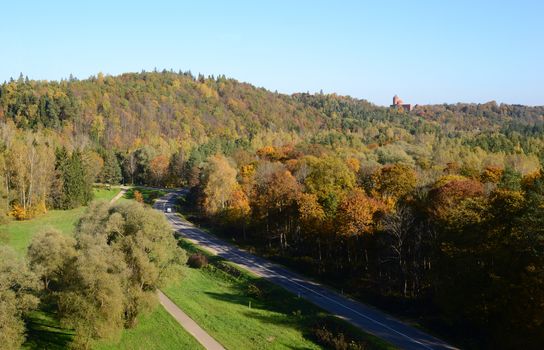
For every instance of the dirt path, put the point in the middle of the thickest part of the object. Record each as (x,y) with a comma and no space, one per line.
(118,195)
(185,321)
(190,326)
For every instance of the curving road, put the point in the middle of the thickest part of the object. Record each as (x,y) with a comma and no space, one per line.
(365,317)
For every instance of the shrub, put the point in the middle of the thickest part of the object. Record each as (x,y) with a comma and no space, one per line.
(197,260)
(331,335)
(228,269)
(254,291)
(19,213)
(138,197)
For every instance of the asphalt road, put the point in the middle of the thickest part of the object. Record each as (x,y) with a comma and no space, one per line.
(363,316)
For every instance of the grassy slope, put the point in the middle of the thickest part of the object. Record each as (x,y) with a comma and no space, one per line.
(157,330)
(219,303)
(221,308)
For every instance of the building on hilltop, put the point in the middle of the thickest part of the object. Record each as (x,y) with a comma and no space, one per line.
(398,103)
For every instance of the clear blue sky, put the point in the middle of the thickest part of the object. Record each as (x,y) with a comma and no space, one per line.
(426,51)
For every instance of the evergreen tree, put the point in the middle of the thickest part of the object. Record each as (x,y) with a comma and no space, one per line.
(58,196)
(111,173)
(72,186)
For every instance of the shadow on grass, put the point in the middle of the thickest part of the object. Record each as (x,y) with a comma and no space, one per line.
(44,331)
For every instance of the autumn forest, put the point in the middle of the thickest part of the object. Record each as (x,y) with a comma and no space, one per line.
(436,214)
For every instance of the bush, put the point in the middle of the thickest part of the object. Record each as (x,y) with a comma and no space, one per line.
(228,269)
(331,335)
(254,291)
(19,213)
(138,197)
(197,260)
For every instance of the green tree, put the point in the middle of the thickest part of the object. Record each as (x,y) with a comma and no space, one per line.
(330,178)
(143,238)
(111,172)
(92,300)
(77,185)
(49,255)
(17,289)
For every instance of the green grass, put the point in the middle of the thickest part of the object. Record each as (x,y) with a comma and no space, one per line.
(104,194)
(156,330)
(220,303)
(45,332)
(20,233)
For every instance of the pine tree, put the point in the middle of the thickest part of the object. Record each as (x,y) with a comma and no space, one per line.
(72,186)
(111,173)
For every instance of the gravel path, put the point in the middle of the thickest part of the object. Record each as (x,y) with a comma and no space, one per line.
(190,326)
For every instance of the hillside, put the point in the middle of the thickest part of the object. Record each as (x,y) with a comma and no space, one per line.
(134,109)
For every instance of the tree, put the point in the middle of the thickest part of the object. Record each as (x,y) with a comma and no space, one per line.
(404,244)
(30,170)
(143,157)
(219,183)
(176,168)
(491,174)
(17,288)
(77,186)
(129,167)
(394,181)
(449,193)
(329,179)
(4,192)
(143,238)
(274,201)
(111,171)
(94,164)
(158,169)
(49,254)
(138,197)
(312,219)
(238,211)
(356,214)
(92,298)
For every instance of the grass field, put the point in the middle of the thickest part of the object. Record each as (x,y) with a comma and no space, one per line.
(20,233)
(245,312)
(104,194)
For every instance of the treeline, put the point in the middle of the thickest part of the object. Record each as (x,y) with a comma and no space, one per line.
(98,282)
(468,249)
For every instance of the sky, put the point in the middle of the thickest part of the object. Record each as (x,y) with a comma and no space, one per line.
(433,51)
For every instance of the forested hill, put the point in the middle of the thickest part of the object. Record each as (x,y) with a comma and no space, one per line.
(132,109)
